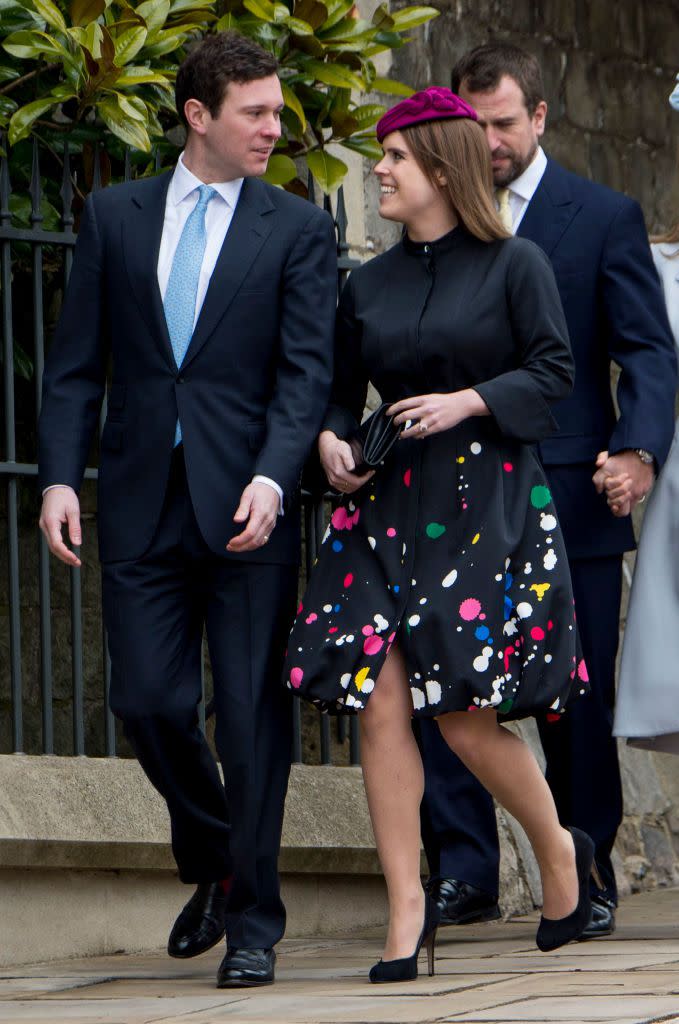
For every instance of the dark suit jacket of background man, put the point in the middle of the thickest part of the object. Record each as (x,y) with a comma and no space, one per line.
(597,243)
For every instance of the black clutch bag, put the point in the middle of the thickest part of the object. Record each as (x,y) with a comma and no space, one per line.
(373,440)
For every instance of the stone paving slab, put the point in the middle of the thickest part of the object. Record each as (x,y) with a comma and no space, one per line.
(486,974)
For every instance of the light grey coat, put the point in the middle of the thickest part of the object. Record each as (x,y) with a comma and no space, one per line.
(647,706)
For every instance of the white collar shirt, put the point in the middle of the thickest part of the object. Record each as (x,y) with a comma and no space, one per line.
(523,188)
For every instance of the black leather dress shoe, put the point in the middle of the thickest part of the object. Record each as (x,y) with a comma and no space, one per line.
(246,968)
(461,903)
(200,925)
(602,921)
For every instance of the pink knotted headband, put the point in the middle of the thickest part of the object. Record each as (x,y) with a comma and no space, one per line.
(432,104)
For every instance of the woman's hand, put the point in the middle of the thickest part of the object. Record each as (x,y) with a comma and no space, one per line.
(338,463)
(430,414)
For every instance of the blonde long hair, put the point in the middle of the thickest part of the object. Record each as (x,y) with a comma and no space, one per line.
(456,150)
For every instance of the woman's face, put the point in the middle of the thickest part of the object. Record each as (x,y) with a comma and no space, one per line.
(407,195)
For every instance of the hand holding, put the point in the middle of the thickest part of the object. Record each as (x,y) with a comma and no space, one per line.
(430,414)
(60,505)
(338,462)
(258,508)
(624,478)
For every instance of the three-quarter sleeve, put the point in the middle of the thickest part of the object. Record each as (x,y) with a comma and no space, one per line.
(350,380)
(520,399)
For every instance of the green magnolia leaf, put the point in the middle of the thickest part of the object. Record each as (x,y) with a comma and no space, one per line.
(299,27)
(262,9)
(294,104)
(227,22)
(335,74)
(141,76)
(368,147)
(391,87)
(280,169)
(181,6)
(85,11)
(129,43)
(368,114)
(154,13)
(408,17)
(311,11)
(131,132)
(336,11)
(165,42)
(382,17)
(133,107)
(51,13)
(26,44)
(326,169)
(7,107)
(8,74)
(90,38)
(21,121)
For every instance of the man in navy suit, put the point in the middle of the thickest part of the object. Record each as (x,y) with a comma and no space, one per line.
(597,243)
(211,295)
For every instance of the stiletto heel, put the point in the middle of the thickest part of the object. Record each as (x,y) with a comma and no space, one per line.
(597,877)
(430,943)
(553,933)
(405,969)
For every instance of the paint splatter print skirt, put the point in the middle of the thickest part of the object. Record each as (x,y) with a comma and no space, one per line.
(454,552)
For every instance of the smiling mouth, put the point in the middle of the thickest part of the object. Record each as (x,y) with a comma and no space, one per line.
(388,190)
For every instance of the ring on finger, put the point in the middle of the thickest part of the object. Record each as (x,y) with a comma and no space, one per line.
(423,426)
(266,537)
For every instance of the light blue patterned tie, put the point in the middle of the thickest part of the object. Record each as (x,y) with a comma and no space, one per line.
(182,287)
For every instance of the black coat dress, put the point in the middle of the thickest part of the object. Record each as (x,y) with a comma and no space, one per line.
(453,549)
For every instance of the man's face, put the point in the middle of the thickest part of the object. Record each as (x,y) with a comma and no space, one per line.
(239,140)
(513,134)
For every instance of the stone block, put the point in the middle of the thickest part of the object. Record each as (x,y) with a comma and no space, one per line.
(660,853)
(631,34)
(581,93)
(557,18)
(661,26)
(619,83)
(642,789)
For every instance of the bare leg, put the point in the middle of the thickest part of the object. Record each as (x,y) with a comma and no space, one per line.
(394,785)
(505,765)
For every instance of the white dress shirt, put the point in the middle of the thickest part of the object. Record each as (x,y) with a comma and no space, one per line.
(523,188)
(182,196)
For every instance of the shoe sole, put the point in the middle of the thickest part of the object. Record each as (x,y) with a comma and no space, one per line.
(475,917)
(199,952)
(244,984)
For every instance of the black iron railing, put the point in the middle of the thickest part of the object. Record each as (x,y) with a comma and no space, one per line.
(27,678)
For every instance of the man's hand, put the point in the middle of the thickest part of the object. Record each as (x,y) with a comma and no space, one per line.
(624,478)
(60,505)
(430,414)
(259,507)
(338,462)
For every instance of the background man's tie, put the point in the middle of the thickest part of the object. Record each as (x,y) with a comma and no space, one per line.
(504,209)
(182,287)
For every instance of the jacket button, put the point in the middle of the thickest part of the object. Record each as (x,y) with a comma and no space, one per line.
(181,380)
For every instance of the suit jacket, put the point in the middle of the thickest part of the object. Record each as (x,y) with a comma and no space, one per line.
(252,388)
(597,243)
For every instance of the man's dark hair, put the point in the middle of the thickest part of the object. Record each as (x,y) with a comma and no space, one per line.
(217,60)
(482,68)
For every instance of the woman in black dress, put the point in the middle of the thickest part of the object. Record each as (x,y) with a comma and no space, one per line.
(442,587)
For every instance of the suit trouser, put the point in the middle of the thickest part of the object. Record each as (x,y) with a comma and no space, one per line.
(459,831)
(156,608)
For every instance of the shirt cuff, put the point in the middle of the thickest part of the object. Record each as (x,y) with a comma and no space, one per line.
(259,479)
(52,486)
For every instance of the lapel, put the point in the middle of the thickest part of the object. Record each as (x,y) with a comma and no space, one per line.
(247,233)
(551,209)
(142,230)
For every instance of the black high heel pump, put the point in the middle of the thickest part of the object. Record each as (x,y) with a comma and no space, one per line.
(405,969)
(553,933)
